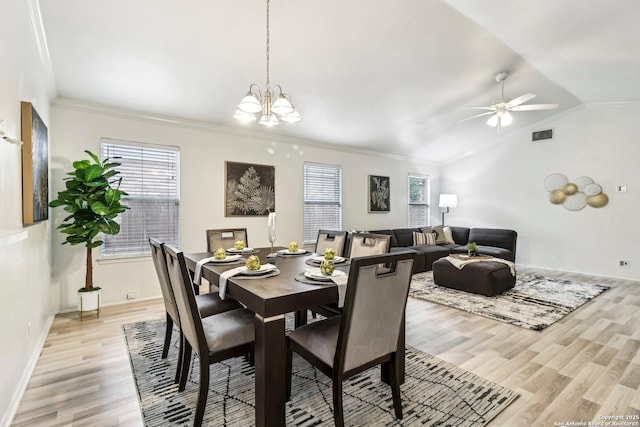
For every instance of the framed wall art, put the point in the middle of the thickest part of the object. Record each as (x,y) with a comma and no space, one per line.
(379,194)
(35,166)
(249,189)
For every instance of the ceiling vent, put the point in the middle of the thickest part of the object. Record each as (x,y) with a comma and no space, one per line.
(541,135)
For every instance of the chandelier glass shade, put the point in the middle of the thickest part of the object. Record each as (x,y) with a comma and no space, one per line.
(270,107)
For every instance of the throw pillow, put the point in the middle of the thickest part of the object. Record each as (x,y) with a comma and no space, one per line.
(443,235)
(423,238)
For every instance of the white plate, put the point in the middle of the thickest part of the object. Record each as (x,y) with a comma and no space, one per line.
(239,251)
(315,274)
(336,259)
(288,252)
(264,269)
(230,258)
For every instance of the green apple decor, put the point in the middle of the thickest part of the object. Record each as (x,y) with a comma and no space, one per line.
(92,198)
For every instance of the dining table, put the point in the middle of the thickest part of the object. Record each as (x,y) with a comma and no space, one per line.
(270,298)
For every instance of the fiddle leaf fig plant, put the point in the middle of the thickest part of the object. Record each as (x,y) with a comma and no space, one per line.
(92,198)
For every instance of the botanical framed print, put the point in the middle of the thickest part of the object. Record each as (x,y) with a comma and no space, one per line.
(35,166)
(379,194)
(249,189)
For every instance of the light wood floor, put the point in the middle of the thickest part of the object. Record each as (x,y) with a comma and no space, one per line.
(585,366)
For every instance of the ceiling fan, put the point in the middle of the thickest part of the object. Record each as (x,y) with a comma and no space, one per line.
(500,111)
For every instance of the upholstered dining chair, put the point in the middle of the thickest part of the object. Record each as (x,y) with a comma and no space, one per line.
(367,332)
(208,304)
(214,338)
(331,239)
(365,244)
(225,238)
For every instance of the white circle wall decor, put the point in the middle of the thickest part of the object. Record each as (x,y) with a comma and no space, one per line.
(582,182)
(555,181)
(575,202)
(574,195)
(592,190)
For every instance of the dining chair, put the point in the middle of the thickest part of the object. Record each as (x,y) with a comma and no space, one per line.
(213,338)
(365,244)
(331,239)
(368,331)
(225,238)
(208,304)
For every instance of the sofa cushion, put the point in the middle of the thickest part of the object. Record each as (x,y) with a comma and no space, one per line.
(495,238)
(404,236)
(424,238)
(460,234)
(431,253)
(444,234)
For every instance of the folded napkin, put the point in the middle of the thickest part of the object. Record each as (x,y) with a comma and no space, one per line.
(341,282)
(197,276)
(460,263)
(222,284)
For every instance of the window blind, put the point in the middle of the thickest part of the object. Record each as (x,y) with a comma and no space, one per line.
(322,199)
(150,176)
(419,211)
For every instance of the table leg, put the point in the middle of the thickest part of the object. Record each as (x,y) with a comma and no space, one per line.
(270,368)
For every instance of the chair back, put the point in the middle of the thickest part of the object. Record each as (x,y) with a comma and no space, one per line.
(374,307)
(225,238)
(366,244)
(331,239)
(180,280)
(159,261)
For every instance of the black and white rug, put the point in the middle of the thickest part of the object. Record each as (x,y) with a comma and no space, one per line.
(534,303)
(435,392)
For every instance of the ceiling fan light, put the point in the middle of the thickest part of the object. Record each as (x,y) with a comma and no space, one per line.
(250,104)
(493,120)
(244,117)
(282,106)
(506,119)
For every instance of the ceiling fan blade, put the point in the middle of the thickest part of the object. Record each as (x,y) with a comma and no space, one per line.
(473,117)
(520,100)
(492,108)
(535,107)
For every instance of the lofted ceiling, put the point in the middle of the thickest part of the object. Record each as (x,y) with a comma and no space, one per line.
(393,77)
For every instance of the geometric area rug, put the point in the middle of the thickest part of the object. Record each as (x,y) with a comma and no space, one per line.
(534,303)
(434,393)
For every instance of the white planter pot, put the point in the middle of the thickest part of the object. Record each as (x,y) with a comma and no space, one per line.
(89,301)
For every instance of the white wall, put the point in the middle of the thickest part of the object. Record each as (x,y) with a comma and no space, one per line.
(25,305)
(203,151)
(504,187)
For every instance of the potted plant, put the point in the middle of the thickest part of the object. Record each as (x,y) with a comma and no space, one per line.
(92,198)
(472,248)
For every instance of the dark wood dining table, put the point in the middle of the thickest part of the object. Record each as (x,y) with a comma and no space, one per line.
(270,299)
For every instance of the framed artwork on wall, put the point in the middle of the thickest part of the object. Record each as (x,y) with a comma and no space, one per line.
(35,166)
(249,189)
(379,194)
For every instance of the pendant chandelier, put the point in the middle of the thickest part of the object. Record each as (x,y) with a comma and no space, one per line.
(272,107)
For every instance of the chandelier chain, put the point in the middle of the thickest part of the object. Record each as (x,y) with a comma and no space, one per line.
(268,88)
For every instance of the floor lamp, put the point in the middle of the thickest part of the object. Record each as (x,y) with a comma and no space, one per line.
(447,201)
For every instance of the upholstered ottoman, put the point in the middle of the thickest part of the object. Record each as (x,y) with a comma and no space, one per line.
(485,277)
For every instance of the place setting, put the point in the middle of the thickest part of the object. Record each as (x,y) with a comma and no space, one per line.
(292,250)
(324,275)
(240,248)
(252,269)
(219,257)
(329,255)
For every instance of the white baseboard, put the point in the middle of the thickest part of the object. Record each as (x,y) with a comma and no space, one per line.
(26,375)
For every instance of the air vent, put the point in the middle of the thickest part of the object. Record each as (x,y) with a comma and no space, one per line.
(542,135)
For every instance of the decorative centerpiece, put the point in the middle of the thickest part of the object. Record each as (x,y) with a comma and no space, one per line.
(293,246)
(220,253)
(239,245)
(472,249)
(329,253)
(253,263)
(327,267)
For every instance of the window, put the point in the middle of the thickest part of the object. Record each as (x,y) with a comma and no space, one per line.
(322,199)
(418,200)
(150,176)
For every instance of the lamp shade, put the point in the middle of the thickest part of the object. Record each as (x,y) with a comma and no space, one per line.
(448,201)
(292,117)
(250,104)
(506,119)
(282,106)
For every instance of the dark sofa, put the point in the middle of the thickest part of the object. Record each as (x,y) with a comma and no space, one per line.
(496,242)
